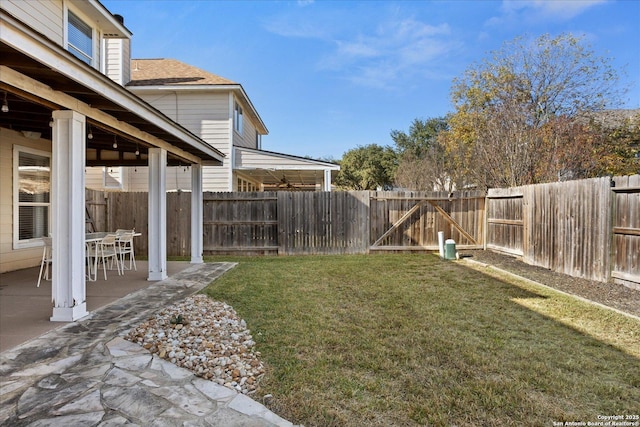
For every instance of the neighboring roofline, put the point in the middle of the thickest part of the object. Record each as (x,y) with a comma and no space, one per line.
(236,87)
(325,165)
(49,53)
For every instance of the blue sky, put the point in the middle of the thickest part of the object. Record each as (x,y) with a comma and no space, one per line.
(327,76)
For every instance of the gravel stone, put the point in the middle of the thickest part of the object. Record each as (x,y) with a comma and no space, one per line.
(206,337)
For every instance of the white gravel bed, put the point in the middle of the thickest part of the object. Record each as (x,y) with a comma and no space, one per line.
(206,337)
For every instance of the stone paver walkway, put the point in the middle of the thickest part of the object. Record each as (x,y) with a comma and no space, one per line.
(86,374)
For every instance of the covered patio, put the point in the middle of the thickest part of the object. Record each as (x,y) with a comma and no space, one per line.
(59,116)
(25,309)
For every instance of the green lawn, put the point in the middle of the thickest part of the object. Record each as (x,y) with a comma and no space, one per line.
(415,340)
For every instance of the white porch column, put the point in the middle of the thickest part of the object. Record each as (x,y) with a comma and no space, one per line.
(196,214)
(68,288)
(157,214)
(327,180)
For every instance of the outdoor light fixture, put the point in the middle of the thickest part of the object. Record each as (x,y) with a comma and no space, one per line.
(115,141)
(137,150)
(90,134)
(51,122)
(5,104)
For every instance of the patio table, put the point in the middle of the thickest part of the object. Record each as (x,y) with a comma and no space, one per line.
(92,239)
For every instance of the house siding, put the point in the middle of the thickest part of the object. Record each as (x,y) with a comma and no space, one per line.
(258,160)
(207,115)
(246,138)
(117,56)
(11,259)
(46,17)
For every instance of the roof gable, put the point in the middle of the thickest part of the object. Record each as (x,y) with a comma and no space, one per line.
(171,72)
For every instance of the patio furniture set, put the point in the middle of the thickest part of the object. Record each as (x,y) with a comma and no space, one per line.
(108,249)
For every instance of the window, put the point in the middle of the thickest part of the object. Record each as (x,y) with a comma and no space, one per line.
(80,38)
(32,180)
(112,177)
(258,141)
(237,118)
(244,185)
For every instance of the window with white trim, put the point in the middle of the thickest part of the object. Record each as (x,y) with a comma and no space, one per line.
(112,177)
(31,195)
(79,38)
(237,118)
(244,185)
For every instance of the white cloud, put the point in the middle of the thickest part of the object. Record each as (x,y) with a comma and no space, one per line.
(515,12)
(396,50)
(383,53)
(287,26)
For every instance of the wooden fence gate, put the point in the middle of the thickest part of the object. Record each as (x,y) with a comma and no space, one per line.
(505,221)
(402,221)
(625,245)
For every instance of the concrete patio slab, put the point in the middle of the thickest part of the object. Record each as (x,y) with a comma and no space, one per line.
(25,309)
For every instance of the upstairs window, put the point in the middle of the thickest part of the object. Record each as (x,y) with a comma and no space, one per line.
(237,118)
(80,38)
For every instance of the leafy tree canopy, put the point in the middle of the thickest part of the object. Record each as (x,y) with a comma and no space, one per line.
(367,168)
(514,113)
(421,137)
(423,162)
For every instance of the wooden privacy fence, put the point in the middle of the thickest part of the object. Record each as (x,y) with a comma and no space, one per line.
(588,228)
(295,223)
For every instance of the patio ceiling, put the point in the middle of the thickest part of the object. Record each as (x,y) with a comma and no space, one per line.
(278,171)
(285,179)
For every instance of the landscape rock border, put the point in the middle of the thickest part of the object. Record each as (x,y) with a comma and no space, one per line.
(206,337)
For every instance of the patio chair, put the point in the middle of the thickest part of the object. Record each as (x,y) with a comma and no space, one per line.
(125,247)
(47,259)
(105,250)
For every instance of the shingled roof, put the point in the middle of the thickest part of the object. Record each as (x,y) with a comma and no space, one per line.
(171,72)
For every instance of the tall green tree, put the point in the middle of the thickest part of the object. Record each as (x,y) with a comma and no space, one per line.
(511,109)
(423,161)
(367,168)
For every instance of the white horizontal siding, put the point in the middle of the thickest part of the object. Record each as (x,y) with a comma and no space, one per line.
(204,114)
(207,115)
(45,16)
(126,61)
(246,138)
(113,59)
(257,160)
(93,178)
(177,178)
(216,178)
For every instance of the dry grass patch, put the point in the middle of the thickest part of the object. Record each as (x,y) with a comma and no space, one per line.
(414,340)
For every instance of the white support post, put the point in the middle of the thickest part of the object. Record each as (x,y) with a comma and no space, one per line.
(68,289)
(196,214)
(327,180)
(157,214)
